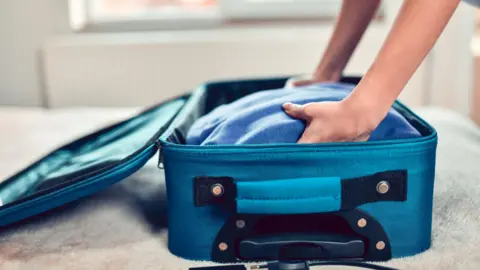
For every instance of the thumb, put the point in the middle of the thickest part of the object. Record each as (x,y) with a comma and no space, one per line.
(295,111)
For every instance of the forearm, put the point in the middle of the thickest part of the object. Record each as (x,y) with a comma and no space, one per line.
(353,20)
(416,29)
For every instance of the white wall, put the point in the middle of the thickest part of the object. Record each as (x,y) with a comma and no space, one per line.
(142,68)
(452,68)
(24,25)
(138,69)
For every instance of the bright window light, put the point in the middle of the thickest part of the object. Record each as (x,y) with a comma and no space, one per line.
(185,14)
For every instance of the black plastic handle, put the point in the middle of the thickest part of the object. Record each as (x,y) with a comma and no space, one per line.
(301,247)
(333,236)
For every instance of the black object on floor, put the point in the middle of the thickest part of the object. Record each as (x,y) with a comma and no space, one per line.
(296,265)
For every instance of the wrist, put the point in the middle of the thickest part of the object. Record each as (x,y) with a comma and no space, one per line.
(369,111)
(327,74)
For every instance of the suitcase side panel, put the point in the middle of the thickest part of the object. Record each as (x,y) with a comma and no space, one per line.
(192,230)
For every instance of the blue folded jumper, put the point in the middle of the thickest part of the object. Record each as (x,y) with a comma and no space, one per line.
(260,119)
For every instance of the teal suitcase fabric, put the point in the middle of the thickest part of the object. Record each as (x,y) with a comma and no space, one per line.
(226,203)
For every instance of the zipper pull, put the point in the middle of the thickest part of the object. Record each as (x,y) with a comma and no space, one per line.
(160,155)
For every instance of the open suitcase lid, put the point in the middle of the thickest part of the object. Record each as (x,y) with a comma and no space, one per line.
(86,165)
(98,160)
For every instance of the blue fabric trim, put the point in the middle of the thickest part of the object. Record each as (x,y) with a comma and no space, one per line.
(289,196)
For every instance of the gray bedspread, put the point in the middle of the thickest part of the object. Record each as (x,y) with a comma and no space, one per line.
(124,226)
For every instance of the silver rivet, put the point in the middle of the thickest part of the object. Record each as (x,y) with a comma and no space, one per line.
(217,190)
(223,246)
(383,187)
(240,224)
(380,245)
(362,223)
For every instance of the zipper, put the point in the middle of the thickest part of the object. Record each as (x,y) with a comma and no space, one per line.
(160,154)
(333,146)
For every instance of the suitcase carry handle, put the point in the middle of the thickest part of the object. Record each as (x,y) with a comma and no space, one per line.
(289,196)
(300,195)
(314,218)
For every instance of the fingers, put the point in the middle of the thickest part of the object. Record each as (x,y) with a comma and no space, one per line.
(299,81)
(295,111)
(305,139)
(290,83)
(310,136)
(298,112)
(362,138)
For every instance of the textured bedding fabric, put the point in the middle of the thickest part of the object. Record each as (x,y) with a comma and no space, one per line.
(124,226)
(260,119)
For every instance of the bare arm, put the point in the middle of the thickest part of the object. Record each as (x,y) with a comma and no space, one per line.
(353,20)
(351,23)
(414,33)
(417,27)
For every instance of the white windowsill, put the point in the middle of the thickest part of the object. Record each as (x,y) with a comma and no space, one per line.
(274,31)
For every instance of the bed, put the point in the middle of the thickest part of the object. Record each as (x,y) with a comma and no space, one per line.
(124,226)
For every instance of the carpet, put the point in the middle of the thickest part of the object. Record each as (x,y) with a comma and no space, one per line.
(124,226)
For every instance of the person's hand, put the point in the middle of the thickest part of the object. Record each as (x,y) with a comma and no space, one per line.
(333,121)
(305,80)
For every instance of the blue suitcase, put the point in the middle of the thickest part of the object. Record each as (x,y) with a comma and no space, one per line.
(228,203)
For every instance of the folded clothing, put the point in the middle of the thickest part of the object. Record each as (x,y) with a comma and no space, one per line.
(260,119)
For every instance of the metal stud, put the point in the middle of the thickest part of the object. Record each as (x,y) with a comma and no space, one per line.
(362,223)
(240,224)
(383,187)
(380,245)
(217,190)
(223,246)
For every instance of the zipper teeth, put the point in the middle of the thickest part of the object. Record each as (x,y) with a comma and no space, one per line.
(160,154)
(270,155)
(299,147)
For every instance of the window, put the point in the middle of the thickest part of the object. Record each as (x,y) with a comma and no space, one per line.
(188,14)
